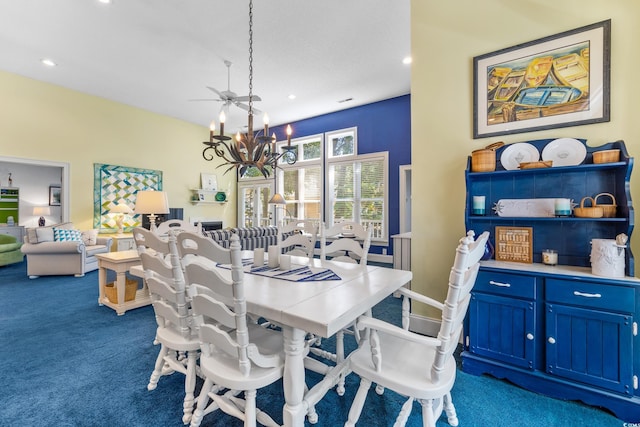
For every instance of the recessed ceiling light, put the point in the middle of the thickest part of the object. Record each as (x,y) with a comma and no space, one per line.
(48,62)
(105,1)
(292,96)
(406,60)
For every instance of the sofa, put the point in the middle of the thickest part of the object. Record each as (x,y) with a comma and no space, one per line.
(250,237)
(10,252)
(61,249)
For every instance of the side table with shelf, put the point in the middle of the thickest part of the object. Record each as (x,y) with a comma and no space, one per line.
(557,330)
(120,262)
(121,241)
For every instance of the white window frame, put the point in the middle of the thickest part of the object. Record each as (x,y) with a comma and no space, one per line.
(300,164)
(329,136)
(383,239)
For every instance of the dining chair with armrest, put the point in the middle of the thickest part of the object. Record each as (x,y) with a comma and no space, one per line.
(413,365)
(179,344)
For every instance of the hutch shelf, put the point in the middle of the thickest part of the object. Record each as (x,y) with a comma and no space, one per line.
(557,330)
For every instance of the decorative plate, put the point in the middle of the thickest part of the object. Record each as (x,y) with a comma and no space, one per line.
(525,207)
(220,196)
(565,152)
(520,152)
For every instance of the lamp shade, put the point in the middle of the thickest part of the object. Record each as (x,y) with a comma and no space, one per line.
(41,210)
(152,202)
(277,199)
(120,208)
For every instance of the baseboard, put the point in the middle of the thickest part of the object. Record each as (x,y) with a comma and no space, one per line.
(424,325)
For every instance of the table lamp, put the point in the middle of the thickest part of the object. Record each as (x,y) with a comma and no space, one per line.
(278,201)
(42,211)
(150,203)
(121,209)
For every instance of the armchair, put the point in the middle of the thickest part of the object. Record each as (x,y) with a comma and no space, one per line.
(72,253)
(10,252)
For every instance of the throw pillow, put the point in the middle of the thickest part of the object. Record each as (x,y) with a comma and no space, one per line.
(44,234)
(66,235)
(90,237)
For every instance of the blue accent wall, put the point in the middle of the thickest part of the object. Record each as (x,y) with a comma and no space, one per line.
(382,126)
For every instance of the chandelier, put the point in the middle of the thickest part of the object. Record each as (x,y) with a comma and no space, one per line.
(248,150)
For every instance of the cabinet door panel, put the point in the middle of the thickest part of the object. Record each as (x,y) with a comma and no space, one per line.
(590,346)
(502,329)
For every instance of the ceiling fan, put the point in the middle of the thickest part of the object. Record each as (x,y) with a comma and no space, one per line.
(227,97)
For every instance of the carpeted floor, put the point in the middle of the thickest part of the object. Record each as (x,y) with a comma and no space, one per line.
(68,362)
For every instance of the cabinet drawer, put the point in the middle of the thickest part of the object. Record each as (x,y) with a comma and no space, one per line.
(513,285)
(594,295)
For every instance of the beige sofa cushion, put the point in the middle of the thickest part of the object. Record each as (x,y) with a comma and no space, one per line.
(44,234)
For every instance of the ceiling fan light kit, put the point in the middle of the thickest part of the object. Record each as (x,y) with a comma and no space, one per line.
(247,150)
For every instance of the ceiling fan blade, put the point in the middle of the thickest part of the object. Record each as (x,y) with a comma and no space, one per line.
(206,99)
(246,98)
(216,91)
(246,107)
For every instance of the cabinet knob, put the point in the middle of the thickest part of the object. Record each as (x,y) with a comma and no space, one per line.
(530,336)
(551,340)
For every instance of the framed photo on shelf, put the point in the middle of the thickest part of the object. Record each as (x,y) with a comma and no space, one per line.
(54,195)
(556,81)
(514,244)
(208,181)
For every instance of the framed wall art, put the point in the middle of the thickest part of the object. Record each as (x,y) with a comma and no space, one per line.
(557,81)
(119,184)
(54,195)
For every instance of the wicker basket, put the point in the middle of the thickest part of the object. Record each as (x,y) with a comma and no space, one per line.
(484,160)
(131,286)
(588,212)
(606,156)
(608,211)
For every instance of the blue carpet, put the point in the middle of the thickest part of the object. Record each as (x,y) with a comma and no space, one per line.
(68,362)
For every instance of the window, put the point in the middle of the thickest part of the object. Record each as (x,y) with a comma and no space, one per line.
(357,191)
(301,183)
(341,143)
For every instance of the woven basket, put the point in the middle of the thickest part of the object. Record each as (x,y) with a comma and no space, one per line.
(606,156)
(131,286)
(484,160)
(588,212)
(608,211)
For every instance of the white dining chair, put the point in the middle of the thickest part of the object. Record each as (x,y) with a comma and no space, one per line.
(177,226)
(179,344)
(349,242)
(235,356)
(413,365)
(298,237)
(346,241)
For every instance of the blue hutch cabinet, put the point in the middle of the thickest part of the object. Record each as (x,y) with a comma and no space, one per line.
(557,330)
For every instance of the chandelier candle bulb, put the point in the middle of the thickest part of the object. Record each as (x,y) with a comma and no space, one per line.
(222,118)
(289,131)
(265,120)
(212,128)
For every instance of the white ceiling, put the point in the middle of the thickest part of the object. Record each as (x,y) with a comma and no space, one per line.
(160,54)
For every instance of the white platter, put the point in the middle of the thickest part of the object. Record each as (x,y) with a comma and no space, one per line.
(518,153)
(565,152)
(532,208)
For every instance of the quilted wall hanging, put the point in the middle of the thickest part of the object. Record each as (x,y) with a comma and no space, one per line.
(119,184)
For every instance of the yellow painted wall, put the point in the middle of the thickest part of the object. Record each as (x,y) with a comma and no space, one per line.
(445,38)
(47,122)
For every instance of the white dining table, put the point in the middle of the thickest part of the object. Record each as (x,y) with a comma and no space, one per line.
(318,307)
